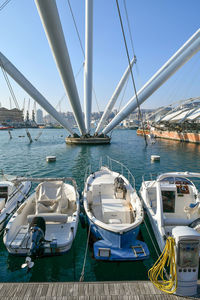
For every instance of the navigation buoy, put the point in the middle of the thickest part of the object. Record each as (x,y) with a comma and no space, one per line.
(50,158)
(155,158)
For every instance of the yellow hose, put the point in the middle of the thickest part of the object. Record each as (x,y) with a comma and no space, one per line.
(156,273)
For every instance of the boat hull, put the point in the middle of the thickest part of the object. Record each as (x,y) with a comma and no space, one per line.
(121,246)
(190,137)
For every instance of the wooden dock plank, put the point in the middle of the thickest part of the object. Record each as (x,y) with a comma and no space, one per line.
(133,290)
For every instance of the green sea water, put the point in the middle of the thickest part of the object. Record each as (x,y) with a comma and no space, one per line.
(19,157)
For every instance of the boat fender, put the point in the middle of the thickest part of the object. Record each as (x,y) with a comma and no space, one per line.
(82,220)
(37,229)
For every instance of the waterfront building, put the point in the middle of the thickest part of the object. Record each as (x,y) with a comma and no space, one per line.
(39,116)
(11,115)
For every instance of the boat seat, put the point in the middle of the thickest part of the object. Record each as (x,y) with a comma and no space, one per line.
(53,217)
(114,221)
(177,221)
(102,189)
(50,197)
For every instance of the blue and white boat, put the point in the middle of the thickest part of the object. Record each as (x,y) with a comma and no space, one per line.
(114,212)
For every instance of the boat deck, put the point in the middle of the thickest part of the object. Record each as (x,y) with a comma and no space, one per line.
(55,231)
(86,290)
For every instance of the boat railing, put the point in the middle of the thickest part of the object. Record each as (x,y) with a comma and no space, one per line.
(87,172)
(64,179)
(151,176)
(121,168)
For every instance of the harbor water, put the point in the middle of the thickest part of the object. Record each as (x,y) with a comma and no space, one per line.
(19,157)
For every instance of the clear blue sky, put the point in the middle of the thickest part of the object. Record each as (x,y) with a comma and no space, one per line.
(159,28)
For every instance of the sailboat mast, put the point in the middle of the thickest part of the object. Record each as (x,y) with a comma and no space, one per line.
(88,62)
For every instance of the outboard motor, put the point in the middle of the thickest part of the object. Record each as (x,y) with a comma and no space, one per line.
(120,188)
(37,229)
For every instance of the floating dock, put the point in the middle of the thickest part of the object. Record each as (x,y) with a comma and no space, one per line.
(116,290)
(88,140)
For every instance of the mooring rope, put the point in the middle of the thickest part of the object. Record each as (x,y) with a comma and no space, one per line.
(84,262)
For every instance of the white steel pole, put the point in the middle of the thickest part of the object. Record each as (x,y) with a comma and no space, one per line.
(114,97)
(32,91)
(169,68)
(51,22)
(88,62)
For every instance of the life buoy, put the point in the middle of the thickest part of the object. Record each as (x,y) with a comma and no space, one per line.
(182,189)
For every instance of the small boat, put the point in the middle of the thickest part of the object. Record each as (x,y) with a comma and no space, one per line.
(2,127)
(114,213)
(46,223)
(171,200)
(11,196)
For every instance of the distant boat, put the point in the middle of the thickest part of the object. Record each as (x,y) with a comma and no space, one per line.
(46,223)
(2,127)
(11,196)
(114,212)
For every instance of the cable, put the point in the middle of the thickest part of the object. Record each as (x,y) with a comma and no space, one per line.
(4,4)
(95,96)
(122,98)
(76,28)
(84,262)
(9,85)
(131,71)
(156,273)
(129,28)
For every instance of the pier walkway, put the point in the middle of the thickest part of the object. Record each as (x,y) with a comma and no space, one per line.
(137,290)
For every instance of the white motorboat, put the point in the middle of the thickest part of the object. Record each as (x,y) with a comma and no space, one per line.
(11,196)
(114,213)
(171,200)
(46,223)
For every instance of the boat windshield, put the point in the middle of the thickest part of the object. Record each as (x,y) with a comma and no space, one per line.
(176,180)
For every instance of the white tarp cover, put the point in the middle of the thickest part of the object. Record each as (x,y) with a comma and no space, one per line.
(182,115)
(172,115)
(194,115)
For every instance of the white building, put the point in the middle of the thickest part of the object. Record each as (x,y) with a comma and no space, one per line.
(39,117)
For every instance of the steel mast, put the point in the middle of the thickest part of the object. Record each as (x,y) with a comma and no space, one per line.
(51,22)
(88,62)
(190,48)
